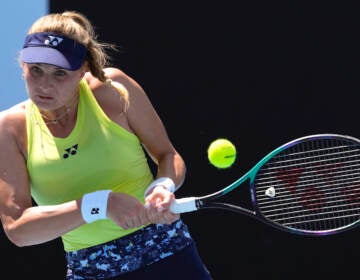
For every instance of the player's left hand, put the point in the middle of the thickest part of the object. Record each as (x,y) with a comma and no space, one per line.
(158,204)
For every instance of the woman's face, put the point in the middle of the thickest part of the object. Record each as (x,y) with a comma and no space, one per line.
(51,87)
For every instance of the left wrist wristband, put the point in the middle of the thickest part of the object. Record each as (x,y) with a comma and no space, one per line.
(94,205)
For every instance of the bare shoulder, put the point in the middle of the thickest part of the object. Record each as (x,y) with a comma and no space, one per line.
(114,74)
(13,126)
(124,79)
(13,117)
(117,75)
(112,97)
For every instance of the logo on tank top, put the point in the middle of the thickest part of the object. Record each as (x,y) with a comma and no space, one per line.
(70,151)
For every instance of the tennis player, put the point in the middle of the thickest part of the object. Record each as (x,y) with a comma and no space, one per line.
(78,147)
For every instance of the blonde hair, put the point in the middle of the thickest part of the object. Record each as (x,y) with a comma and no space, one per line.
(76,26)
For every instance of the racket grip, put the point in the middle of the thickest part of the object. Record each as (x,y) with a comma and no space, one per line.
(182,205)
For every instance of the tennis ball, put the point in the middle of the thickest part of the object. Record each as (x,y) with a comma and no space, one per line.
(221,153)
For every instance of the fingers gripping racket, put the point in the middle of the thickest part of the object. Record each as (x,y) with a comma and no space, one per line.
(309,186)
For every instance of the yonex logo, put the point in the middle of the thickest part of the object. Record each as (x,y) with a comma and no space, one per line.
(95,211)
(70,151)
(53,41)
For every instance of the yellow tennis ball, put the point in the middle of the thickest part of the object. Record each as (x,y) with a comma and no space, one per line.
(221,153)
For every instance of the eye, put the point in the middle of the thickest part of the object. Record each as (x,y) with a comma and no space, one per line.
(60,73)
(35,70)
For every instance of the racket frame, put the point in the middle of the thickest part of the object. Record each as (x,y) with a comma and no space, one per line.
(208,201)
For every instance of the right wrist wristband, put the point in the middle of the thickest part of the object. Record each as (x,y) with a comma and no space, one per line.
(94,205)
(166,182)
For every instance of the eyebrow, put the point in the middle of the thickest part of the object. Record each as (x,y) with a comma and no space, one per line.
(48,65)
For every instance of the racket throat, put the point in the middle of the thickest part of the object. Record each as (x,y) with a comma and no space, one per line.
(229,207)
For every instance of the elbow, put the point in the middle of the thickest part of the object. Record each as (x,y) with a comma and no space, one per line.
(181,174)
(15,237)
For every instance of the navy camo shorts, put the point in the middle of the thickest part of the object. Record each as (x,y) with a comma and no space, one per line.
(129,253)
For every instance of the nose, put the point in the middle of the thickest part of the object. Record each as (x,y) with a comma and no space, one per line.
(46,84)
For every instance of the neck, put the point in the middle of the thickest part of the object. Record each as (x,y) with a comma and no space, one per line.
(62,114)
(55,120)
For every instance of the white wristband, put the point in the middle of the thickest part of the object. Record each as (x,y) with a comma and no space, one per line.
(94,206)
(166,182)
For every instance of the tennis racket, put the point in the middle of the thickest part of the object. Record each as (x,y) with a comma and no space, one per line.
(308,186)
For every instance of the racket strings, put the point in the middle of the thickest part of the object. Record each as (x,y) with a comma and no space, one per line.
(311,186)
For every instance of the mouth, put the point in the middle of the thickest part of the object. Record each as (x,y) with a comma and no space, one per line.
(43,97)
(43,100)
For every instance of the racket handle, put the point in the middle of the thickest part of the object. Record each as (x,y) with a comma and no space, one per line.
(182,205)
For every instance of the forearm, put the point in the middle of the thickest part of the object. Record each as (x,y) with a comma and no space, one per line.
(40,224)
(172,166)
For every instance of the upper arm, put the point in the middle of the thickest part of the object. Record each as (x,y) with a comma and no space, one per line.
(14,181)
(143,118)
(140,116)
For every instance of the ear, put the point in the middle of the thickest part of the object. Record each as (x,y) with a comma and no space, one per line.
(84,69)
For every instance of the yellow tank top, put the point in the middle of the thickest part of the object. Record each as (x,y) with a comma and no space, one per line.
(98,154)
